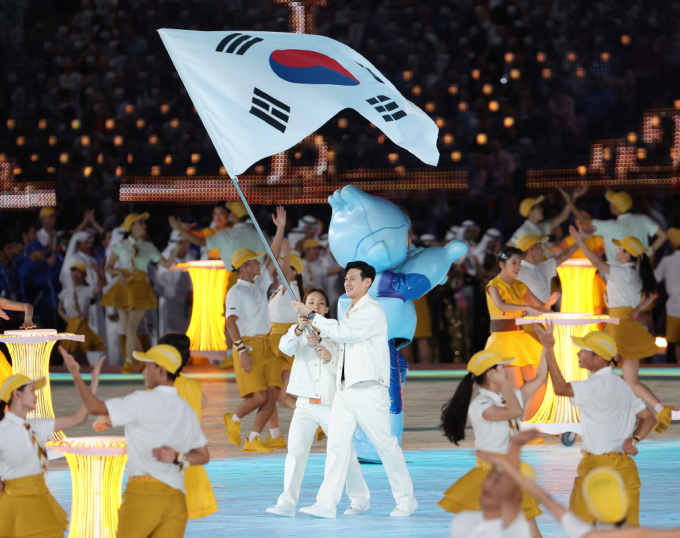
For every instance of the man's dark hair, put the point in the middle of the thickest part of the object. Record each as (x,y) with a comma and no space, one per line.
(181,343)
(367,271)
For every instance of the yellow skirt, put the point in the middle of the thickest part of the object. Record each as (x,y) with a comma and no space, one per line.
(201,500)
(27,508)
(92,340)
(277,331)
(519,344)
(628,470)
(135,295)
(672,330)
(423,322)
(5,367)
(464,494)
(633,341)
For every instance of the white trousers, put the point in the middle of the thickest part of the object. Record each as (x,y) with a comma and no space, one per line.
(306,419)
(367,405)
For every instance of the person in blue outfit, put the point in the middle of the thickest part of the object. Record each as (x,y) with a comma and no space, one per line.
(371,229)
(38,281)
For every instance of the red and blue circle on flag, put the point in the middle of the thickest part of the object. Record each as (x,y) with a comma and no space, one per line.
(309,67)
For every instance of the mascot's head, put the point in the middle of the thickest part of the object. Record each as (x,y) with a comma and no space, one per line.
(367,228)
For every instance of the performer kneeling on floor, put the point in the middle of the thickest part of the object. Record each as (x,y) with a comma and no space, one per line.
(163,437)
(312,380)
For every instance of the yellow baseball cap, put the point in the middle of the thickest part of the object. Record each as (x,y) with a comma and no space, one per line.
(46,211)
(630,244)
(605,494)
(295,262)
(163,355)
(620,199)
(310,243)
(674,236)
(242,256)
(483,360)
(528,203)
(80,267)
(131,218)
(17,381)
(599,343)
(238,209)
(527,241)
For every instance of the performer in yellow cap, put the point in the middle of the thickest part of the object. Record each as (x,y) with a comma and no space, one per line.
(257,368)
(163,438)
(132,295)
(609,411)
(630,288)
(626,224)
(223,218)
(74,307)
(27,508)
(494,415)
(668,272)
(507,299)
(282,316)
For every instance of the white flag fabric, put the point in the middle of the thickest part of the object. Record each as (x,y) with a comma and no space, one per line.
(260,93)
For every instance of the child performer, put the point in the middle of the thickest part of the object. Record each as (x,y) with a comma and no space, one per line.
(74,309)
(630,289)
(312,379)
(282,316)
(494,415)
(132,294)
(27,508)
(507,298)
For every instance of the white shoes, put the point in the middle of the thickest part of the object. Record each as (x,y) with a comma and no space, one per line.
(405,510)
(357,509)
(318,510)
(282,510)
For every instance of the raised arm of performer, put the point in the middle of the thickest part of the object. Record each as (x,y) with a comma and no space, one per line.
(26,308)
(532,303)
(176,225)
(280,221)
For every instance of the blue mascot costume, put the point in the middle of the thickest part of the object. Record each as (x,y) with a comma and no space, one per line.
(373,230)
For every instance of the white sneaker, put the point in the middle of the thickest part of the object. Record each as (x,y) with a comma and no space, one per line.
(405,510)
(357,509)
(317,510)
(282,510)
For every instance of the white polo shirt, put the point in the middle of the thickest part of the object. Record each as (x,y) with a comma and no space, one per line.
(18,457)
(640,226)
(248,301)
(280,309)
(574,526)
(668,271)
(538,277)
(145,253)
(608,411)
(492,436)
(229,241)
(472,524)
(153,419)
(82,294)
(624,286)
(542,229)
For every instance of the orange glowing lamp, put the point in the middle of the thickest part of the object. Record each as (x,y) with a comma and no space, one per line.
(97,465)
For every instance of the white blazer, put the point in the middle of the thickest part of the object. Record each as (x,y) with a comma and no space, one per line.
(310,377)
(362,336)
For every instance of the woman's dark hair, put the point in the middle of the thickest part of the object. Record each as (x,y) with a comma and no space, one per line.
(646,274)
(181,343)
(126,235)
(455,411)
(222,205)
(319,290)
(4,409)
(367,271)
(506,253)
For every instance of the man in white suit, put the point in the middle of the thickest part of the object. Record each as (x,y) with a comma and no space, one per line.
(362,398)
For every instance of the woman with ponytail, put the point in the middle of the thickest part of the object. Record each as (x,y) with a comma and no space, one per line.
(494,415)
(630,289)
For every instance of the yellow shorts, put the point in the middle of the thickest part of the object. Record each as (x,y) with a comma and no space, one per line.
(264,372)
(151,508)
(518,344)
(135,295)
(423,322)
(201,500)
(92,342)
(628,470)
(464,494)
(633,341)
(278,330)
(27,508)
(672,330)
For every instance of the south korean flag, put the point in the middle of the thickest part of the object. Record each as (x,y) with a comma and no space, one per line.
(260,93)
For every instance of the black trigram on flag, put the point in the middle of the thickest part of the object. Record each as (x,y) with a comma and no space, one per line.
(270,110)
(385,105)
(371,72)
(234,40)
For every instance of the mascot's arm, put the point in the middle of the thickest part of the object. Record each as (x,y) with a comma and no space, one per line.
(427,268)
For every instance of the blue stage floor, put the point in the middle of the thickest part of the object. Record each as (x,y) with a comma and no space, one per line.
(245,487)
